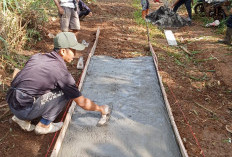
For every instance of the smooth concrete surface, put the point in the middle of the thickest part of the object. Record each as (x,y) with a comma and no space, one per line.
(139,125)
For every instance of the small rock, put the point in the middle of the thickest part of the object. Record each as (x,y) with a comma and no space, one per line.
(53,19)
(184,139)
(51,36)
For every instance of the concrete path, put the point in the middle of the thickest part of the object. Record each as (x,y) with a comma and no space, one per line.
(139,126)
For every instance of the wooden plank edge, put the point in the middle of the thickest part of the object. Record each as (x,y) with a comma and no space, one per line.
(60,138)
(89,57)
(169,110)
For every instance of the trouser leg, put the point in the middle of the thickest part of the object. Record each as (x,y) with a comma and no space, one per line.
(83,13)
(147,11)
(145,7)
(65,19)
(144,14)
(48,106)
(188,7)
(228,35)
(178,5)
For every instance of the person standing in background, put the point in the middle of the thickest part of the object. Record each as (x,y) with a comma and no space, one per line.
(187,4)
(145,7)
(84,10)
(68,12)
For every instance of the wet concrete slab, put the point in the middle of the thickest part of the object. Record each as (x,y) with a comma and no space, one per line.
(139,125)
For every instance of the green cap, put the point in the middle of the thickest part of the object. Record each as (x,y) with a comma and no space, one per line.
(67,40)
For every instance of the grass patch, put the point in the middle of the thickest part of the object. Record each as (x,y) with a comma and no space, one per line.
(9,62)
(203,60)
(196,52)
(204,77)
(179,63)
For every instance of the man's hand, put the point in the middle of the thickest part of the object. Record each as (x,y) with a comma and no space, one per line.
(61,10)
(172,6)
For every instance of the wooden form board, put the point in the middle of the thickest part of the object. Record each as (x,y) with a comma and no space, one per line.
(169,110)
(68,117)
(170,38)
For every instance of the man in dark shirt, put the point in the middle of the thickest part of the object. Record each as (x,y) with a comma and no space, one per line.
(83,10)
(44,86)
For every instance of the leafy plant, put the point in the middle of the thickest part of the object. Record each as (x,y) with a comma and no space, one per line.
(20,26)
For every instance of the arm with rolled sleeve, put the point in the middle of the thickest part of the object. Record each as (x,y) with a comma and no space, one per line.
(68,86)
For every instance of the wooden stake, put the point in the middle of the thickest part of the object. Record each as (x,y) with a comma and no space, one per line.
(185,50)
(3,105)
(3,115)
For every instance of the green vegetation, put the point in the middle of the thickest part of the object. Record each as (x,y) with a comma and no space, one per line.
(21,24)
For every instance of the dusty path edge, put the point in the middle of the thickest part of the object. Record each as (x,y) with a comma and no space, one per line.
(169,110)
(60,138)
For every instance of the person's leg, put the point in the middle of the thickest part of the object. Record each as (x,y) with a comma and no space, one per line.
(178,5)
(65,19)
(74,21)
(144,8)
(189,9)
(227,39)
(228,35)
(48,106)
(83,13)
(20,112)
(148,6)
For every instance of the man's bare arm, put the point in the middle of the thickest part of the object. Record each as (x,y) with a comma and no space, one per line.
(60,9)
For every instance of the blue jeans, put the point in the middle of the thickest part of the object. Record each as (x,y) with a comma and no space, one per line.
(187,5)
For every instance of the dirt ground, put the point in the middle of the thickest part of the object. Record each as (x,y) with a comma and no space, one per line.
(200,84)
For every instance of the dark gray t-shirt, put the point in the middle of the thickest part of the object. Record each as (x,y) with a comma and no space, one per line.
(42,73)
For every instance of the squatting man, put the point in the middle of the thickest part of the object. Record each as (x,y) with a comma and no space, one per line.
(43,87)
